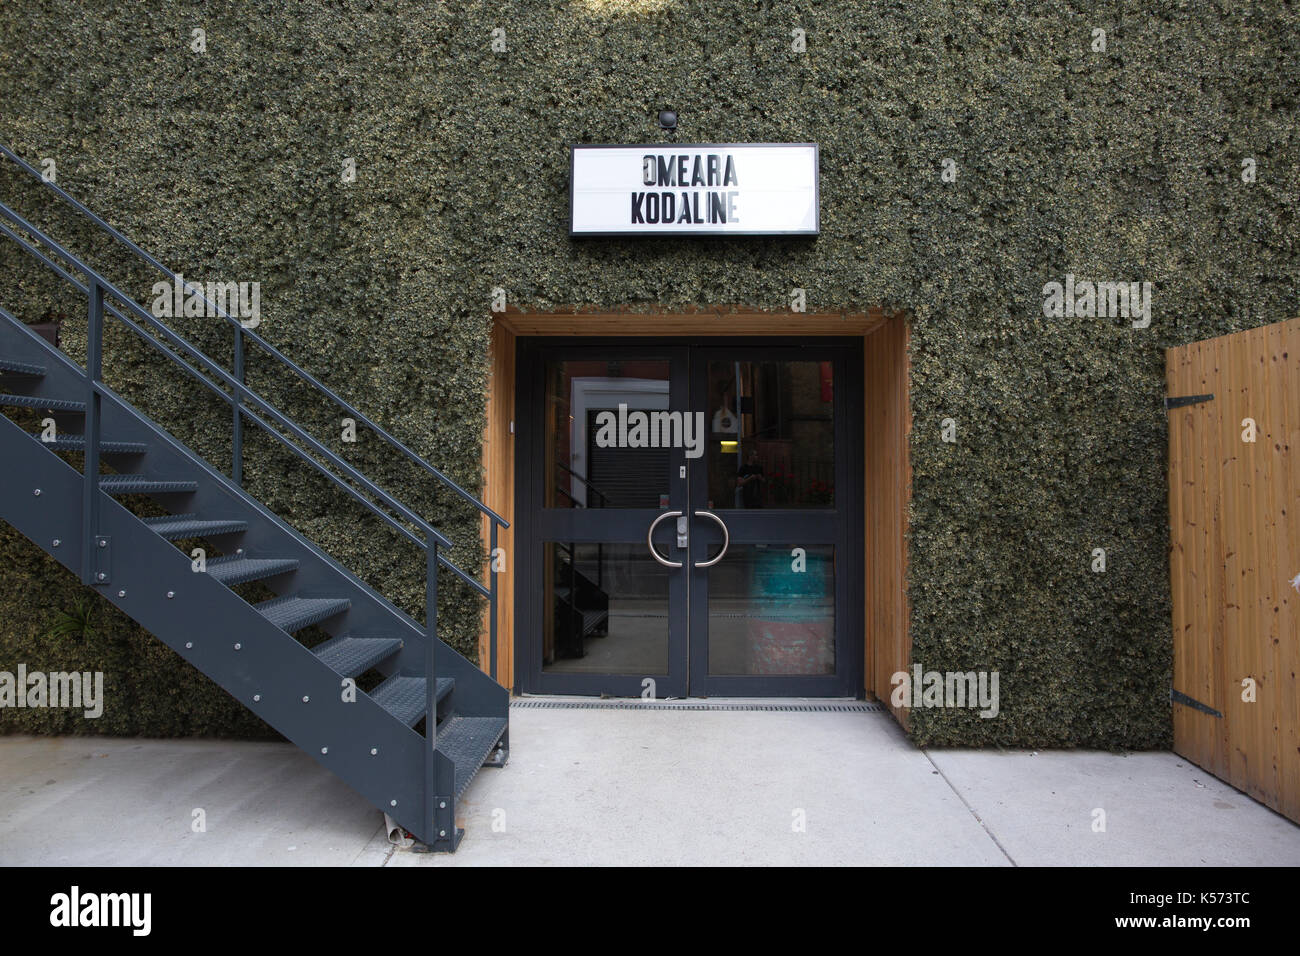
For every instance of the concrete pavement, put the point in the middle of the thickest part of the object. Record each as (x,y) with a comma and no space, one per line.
(645,787)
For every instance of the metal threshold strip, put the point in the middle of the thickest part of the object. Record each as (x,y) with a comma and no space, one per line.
(635,703)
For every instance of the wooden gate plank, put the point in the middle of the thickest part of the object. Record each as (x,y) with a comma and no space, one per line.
(1284,363)
(1242,556)
(1183,512)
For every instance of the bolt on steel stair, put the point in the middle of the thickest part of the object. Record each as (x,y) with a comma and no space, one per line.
(415,740)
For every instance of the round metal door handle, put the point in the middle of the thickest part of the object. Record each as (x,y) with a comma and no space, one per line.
(649,540)
(726,539)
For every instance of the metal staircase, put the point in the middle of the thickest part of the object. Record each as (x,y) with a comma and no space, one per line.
(412,743)
(581,606)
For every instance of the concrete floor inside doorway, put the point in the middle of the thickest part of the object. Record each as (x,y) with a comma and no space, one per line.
(636,785)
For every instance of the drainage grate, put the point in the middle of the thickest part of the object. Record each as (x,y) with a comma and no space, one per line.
(564,703)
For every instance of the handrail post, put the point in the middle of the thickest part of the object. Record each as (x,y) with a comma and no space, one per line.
(575,617)
(431,685)
(90,466)
(237,431)
(492,600)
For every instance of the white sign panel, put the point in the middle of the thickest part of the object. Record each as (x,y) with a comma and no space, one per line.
(697,189)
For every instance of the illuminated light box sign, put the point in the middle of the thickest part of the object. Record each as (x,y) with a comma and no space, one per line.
(695,189)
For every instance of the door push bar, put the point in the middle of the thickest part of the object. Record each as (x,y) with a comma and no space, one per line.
(683,538)
(726,539)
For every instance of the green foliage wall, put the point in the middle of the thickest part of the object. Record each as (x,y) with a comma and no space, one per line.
(1123,164)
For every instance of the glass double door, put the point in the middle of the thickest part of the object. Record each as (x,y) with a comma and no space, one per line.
(689,519)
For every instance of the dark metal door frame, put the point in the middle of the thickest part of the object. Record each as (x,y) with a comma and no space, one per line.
(687,671)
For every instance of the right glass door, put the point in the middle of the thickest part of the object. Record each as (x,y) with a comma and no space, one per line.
(775,579)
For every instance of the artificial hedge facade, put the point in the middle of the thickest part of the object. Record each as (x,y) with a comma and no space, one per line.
(1115,164)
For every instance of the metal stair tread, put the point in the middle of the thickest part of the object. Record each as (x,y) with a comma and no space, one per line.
(142,484)
(352,656)
(468,741)
(403,697)
(21,368)
(36,401)
(239,569)
(180,527)
(78,443)
(292,613)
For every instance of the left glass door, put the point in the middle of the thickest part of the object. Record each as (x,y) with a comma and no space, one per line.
(600,492)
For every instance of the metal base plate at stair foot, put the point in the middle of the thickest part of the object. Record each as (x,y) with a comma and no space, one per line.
(498,758)
(440,846)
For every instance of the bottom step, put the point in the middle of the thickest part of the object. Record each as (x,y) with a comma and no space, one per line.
(469,741)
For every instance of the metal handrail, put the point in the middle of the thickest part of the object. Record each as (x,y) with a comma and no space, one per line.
(98,290)
(194,373)
(245,332)
(241,390)
(588,484)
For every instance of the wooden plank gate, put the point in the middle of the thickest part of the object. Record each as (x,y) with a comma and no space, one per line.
(1234,515)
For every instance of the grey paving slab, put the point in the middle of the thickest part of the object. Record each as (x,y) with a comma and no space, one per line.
(1157,808)
(112,801)
(654,787)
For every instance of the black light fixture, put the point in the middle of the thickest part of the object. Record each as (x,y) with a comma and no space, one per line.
(667,119)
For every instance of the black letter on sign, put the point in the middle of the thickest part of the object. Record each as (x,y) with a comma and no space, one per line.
(717,211)
(685,214)
(729,177)
(636,207)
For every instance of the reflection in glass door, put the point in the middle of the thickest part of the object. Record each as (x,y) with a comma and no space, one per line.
(686,522)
